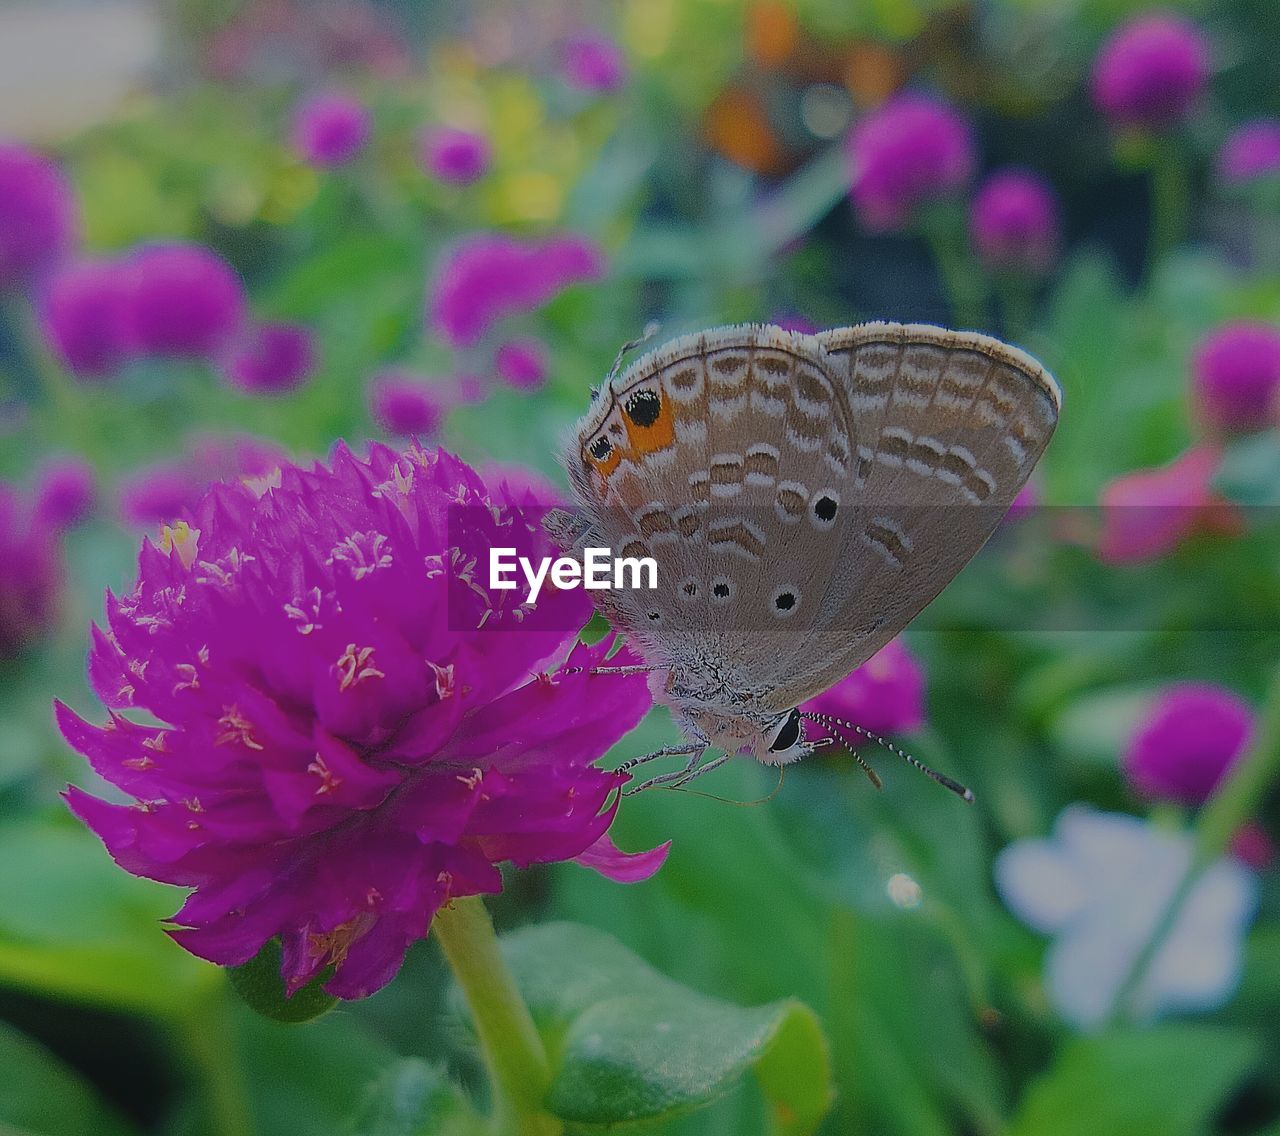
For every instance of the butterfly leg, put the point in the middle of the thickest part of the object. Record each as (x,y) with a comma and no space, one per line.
(665,751)
(695,755)
(714,763)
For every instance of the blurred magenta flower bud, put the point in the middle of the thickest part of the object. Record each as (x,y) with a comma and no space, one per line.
(185,301)
(405,405)
(885,695)
(522,363)
(1150,72)
(911,150)
(593,62)
(1025,503)
(789,321)
(85,316)
(1189,738)
(1252,845)
(330,129)
(1147,514)
(30,573)
(1251,151)
(1235,371)
(66,491)
(38,217)
(455,156)
(274,358)
(1013,223)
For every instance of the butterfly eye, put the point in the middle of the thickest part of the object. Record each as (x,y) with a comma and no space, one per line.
(788,733)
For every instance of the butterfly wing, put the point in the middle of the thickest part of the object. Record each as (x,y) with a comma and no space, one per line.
(949,427)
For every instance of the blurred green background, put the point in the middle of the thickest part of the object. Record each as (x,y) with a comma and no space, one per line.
(714,176)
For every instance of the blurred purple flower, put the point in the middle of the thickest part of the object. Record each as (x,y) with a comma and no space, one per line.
(1252,845)
(593,62)
(348,734)
(330,129)
(38,219)
(276,357)
(911,150)
(1100,887)
(469,389)
(522,363)
(30,573)
(1150,72)
(405,405)
(66,492)
(1235,372)
(185,301)
(1013,222)
(1025,503)
(488,276)
(792,322)
(885,695)
(1150,512)
(1252,151)
(1189,738)
(86,316)
(455,156)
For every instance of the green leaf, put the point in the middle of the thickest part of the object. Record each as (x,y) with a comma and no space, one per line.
(629,1045)
(39,1094)
(413,1098)
(259,983)
(1159,1082)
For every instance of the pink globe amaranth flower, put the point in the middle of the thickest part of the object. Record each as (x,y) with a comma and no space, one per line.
(345,727)
(793,322)
(1149,513)
(38,218)
(593,62)
(66,492)
(185,301)
(86,316)
(30,573)
(522,363)
(885,695)
(1150,72)
(911,150)
(406,405)
(275,357)
(1235,372)
(330,129)
(1252,845)
(1251,151)
(522,485)
(1013,222)
(1189,738)
(487,276)
(455,156)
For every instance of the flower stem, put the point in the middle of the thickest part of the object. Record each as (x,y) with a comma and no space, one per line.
(960,278)
(1170,200)
(206,1028)
(1235,802)
(514,1056)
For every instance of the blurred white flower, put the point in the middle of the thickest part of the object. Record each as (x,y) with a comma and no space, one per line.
(1099,886)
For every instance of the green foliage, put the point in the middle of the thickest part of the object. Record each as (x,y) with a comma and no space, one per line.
(259,983)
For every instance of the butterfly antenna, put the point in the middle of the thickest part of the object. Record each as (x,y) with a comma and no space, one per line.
(941,778)
(650,330)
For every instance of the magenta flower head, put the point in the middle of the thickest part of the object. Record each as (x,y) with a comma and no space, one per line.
(330,129)
(1150,72)
(86,316)
(1013,222)
(522,363)
(1252,151)
(911,150)
(345,727)
(66,492)
(37,216)
(1235,371)
(1190,737)
(274,358)
(405,405)
(488,276)
(593,62)
(1147,514)
(522,485)
(30,573)
(455,156)
(185,301)
(885,695)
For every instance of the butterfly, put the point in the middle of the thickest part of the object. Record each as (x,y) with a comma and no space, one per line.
(804,497)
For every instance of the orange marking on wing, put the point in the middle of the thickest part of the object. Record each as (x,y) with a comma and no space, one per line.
(658,435)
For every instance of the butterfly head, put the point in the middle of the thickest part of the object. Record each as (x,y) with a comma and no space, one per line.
(782,741)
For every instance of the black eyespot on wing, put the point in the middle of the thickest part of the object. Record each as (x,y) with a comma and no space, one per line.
(690,588)
(643,407)
(654,616)
(601,448)
(721,590)
(824,508)
(789,734)
(784,601)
